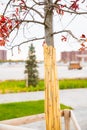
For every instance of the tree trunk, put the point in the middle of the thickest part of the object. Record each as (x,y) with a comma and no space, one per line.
(48,23)
(26,78)
(52,105)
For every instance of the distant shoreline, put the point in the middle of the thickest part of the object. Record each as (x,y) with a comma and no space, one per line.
(15,71)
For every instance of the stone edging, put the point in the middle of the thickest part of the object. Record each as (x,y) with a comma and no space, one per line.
(23,120)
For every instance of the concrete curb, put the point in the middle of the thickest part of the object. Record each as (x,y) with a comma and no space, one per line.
(23,120)
(9,127)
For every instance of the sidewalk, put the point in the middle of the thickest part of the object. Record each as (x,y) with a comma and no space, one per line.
(75,98)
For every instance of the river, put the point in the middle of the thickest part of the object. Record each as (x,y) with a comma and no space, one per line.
(16,71)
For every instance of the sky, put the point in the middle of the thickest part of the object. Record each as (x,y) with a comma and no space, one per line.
(77,24)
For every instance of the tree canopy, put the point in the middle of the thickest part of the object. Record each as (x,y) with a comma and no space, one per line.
(19,16)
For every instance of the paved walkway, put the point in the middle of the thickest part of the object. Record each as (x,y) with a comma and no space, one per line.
(77,98)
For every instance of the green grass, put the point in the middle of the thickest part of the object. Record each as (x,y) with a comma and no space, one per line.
(73,83)
(14,86)
(20,109)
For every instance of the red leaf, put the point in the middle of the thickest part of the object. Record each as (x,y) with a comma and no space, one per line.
(3,19)
(59,9)
(83,36)
(64,38)
(82,44)
(10,27)
(74,5)
(2,42)
(17,11)
(82,49)
(23,1)
(5,27)
(43,43)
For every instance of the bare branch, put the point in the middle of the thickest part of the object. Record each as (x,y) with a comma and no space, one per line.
(33,39)
(73,36)
(68,10)
(40,3)
(56,2)
(74,12)
(32,21)
(67,31)
(7,6)
(31,8)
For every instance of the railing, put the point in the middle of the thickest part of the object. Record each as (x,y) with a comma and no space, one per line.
(67,114)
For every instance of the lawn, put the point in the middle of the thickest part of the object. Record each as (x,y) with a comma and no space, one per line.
(20,109)
(13,86)
(73,83)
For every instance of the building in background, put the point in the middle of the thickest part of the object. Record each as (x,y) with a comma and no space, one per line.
(74,56)
(3,55)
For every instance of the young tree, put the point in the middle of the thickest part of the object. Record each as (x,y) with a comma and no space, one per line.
(31,68)
(20,15)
